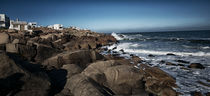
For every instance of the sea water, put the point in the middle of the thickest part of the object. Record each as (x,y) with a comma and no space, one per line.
(189,46)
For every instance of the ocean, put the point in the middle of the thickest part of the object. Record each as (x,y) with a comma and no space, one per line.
(187,46)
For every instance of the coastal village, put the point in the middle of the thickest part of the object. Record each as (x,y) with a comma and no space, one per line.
(58,61)
(6,23)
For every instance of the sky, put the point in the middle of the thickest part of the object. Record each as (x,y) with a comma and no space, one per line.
(113,15)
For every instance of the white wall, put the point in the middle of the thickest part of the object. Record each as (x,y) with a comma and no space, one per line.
(58,26)
(2,18)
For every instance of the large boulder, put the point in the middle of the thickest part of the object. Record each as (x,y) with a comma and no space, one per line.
(44,52)
(80,85)
(71,69)
(96,70)
(27,51)
(196,66)
(15,80)
(15,41)
(157,81)
(12,48)
(8,66)
(4,38)
(125,80)
(35,86)
(82,58)
(106,39)
(72,46)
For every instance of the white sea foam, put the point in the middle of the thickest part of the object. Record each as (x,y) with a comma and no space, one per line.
(117,36)
(135,45)
(165,52)
(206,47)
(126,48)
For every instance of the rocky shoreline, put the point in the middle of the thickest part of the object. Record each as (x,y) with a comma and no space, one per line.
(49,62)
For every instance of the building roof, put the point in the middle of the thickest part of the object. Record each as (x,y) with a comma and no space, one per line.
(20,22)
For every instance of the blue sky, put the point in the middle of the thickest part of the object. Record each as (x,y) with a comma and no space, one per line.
(113,15)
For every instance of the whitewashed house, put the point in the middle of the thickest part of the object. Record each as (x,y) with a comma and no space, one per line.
(56,26)
(4,21)
(32,25)
(18,25)
(74,28)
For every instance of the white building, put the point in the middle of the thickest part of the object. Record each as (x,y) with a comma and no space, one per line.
(75,28)
(4,21)
(32,25)
(18,25)
(56,26)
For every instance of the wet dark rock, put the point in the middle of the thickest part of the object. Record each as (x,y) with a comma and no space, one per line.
(162,61)
(109,51)
(196,93)
(196,66)
(105,49)
(121,50)
(131,55)
(204,84)
(180,64)
(208,94)
(169,63)
(114,52)
(184,68)
(114,48)
(150,55)
(182,61)
(124,53)
(121,35)
(170,54)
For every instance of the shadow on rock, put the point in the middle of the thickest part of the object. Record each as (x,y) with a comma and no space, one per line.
(58,80)
(57,76)
(11,84)
(33,68)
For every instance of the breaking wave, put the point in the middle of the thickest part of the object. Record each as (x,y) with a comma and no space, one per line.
(126,48)
(118,37)
(166,52)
